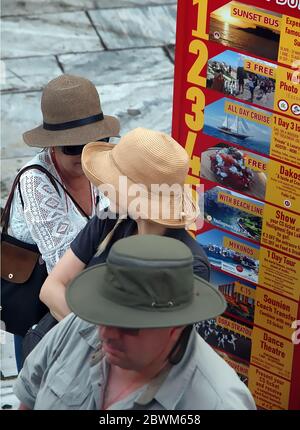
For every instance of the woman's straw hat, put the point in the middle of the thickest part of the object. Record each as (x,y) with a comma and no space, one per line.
(72,115)
(149,158)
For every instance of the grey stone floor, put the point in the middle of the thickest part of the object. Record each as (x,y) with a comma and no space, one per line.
(126,47)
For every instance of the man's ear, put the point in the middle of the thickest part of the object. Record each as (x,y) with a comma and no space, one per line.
(181,337)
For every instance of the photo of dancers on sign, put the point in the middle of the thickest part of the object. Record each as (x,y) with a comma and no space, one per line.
(225,340)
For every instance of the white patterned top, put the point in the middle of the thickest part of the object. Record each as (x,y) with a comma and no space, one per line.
(48,220)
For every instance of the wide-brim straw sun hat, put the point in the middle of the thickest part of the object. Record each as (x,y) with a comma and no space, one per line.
(146,282)
(150,158)
(72,115)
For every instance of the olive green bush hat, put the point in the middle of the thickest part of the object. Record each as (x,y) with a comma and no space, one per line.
(146,282)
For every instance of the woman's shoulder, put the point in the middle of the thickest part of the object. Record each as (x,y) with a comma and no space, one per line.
(42,159)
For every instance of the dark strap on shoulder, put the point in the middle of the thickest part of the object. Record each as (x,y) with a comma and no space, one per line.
(6,211)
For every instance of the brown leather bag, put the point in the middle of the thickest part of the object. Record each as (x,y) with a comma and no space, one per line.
(17,263)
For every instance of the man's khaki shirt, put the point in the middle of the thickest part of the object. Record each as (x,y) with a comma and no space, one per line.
(67,370)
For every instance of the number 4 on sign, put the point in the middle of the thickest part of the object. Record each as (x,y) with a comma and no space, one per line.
(189,147)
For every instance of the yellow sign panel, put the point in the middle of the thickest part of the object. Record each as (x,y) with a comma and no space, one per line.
(281,230)
(287,91)
(234,326)
(241,248)
(240,203)
(260,68)
(285,141)
(289,40)
(279,273)
(272,353)
(274,312)
(256,164)
(253,115)
(255,17)
(244,290)
(283,186)
(269,391)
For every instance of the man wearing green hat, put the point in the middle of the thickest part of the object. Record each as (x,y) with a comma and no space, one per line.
(131,343)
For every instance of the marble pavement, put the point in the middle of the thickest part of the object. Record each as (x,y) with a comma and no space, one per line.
(126,47)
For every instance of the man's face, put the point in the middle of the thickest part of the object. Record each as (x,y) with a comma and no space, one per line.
(137,349)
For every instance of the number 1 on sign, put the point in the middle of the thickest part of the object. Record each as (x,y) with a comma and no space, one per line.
(201,19)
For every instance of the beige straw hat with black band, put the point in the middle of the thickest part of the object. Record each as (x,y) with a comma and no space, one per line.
(145,157)
(72,115)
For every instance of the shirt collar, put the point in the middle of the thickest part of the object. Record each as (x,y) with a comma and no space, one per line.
(90,335)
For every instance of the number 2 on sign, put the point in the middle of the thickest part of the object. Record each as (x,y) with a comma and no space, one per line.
(199,48)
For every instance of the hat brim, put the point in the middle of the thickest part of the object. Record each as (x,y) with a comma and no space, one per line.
(99,167)
(41,138)
(85,298)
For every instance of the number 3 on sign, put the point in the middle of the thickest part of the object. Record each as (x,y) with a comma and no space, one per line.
(195,122)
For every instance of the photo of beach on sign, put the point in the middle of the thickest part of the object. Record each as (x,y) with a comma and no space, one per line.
(234,212)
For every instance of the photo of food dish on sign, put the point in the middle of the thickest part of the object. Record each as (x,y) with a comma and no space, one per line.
(235,168)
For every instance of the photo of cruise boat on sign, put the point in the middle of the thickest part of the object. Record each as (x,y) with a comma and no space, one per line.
(233,128)
(238,128)
(231,254)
